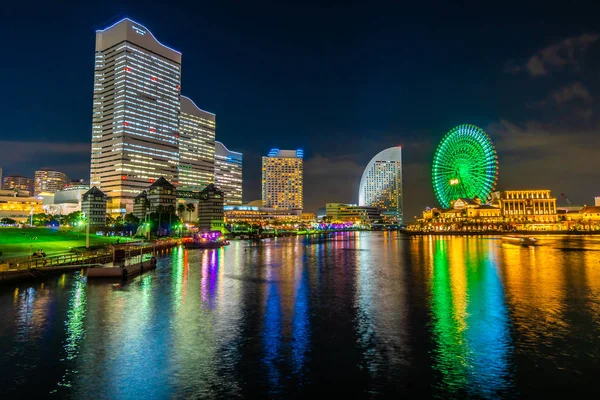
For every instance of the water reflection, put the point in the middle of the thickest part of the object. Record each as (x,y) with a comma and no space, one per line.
(366,314)
(469,319)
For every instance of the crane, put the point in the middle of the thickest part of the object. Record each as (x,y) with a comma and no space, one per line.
(566,199)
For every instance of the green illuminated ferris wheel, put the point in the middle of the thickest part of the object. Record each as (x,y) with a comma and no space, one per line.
(465,165)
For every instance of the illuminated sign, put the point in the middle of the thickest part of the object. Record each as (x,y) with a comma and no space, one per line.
(139,31)
(454,181)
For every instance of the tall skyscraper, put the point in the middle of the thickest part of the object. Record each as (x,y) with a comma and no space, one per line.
(136,113)
(18,182)
(196,146)
(381,184)
(228,173)
(48,180)
(282,179)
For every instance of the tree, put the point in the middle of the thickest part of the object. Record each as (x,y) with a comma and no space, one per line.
(109,220)
(181,209)
(8,221)
(41,219)
(131,219)
(190,207)
(73,218)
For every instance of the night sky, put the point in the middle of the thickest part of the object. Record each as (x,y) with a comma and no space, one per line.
(340,81)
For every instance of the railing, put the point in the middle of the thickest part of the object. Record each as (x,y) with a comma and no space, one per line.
(103,256)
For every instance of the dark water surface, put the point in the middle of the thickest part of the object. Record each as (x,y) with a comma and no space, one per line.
(364,314)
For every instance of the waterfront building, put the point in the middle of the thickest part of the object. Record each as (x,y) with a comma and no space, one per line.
(135,113)
(210,209)
(228,173)
(93,206)
(19,205)
(255,214)
(596,199)
(48,180)
(67,201)
(590,213)
(1,179)
(527,205)
(141,205)
(161,193)
(341,212)
(282,179)
(196,146)
(18,182)
(381,184)
(308,217)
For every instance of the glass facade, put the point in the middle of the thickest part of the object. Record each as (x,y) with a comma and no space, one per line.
(135,137)
(228,174)
(282,179)
(381,184)
(196,146)
(50,181)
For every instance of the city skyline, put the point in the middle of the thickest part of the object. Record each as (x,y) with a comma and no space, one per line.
(533,98)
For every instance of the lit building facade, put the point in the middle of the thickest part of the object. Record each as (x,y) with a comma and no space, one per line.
(228,173)
(48,180)
(93,205)
(259,215)
(527,205)
(18,205)
(77,185)
(160,193)
(196,146)
(210,209)
(282,179)
(18,182)
(135,113)
(341,212)
(67,201)
(381,184)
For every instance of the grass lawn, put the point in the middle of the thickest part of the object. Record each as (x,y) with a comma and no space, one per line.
(15,242)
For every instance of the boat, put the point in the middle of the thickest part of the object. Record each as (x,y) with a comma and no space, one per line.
(520,240)
(206,240)
(121,271)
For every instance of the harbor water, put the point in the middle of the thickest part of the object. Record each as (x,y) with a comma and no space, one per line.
(363,314)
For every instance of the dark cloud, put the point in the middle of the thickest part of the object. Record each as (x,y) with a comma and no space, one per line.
(570,92)
(24,157)
(565,53)
(330,180)
(546,156)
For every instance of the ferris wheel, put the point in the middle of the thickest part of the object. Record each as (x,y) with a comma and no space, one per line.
(465,165)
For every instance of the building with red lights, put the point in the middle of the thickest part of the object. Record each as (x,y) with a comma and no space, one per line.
(136,106)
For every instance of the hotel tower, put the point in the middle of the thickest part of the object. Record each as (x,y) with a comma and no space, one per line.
(196,147)
(381,184)
(228,173)
(135,126)
(282,179)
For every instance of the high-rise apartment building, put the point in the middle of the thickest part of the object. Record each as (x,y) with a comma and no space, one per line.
(48,180)
(228,173)
(282,179)
(381,184)
(18,182)
(136,113)
(196,146)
